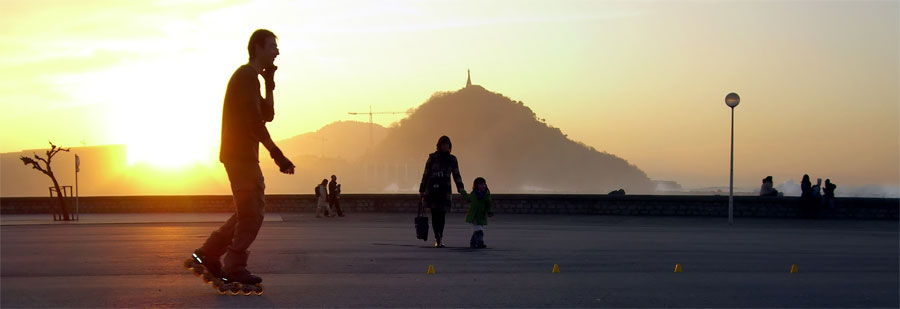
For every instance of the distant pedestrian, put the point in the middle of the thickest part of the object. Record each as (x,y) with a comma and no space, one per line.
(817,189)
(805,187)
(768,188)
(829,193)
(322,199)
(334,201)
(818,202)
(808,202)
(435,190)
(480,208)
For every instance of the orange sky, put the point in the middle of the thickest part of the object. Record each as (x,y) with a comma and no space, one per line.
(643,80)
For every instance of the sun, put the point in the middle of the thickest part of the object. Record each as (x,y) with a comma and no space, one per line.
(170,136)
(168,154)
(166,110)
(165,121)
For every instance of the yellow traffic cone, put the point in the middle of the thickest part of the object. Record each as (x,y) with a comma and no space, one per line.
(794,269)
(430,269)
(555,268)
(677,268)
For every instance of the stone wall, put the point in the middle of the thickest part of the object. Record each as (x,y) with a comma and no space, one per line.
(572,204)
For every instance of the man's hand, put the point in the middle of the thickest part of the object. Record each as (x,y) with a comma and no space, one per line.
(284,165)
(269,75)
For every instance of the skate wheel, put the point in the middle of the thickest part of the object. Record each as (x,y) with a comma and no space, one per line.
(246,290)
(235,289)
(259,289)
(188,263)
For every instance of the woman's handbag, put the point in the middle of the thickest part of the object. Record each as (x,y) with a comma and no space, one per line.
(421,224)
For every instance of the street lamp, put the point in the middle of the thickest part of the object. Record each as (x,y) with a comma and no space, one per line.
(732,100)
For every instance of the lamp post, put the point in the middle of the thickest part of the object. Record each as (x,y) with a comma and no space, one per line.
(732,100)
(77,169)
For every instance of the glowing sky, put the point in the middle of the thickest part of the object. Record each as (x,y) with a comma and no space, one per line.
(644,80)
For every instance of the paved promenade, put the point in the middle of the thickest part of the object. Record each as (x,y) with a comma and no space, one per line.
(374,260)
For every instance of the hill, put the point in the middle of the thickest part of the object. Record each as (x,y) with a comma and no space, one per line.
(503,141)
(345,140)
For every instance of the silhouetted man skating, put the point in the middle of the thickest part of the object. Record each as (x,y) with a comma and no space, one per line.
(244,116)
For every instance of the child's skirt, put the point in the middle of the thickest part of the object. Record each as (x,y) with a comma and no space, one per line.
(476,227)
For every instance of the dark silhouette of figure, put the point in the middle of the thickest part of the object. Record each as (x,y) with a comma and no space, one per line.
(805,187)
(480,208)
(244,116)
(334,197)
(435,187)
(829,193)
(817,189)
(322,207)
(768,187)
(817,200)
(807,198)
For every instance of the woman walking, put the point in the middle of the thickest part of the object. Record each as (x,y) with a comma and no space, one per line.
(435,189)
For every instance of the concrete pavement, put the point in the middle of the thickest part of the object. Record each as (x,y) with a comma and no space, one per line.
(118,218)
(374,260)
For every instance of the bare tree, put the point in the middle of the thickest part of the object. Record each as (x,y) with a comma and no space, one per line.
(49,172)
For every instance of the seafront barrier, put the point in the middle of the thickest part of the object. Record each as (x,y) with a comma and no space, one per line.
(549,204)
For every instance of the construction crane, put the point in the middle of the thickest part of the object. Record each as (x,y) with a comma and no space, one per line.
(370,113)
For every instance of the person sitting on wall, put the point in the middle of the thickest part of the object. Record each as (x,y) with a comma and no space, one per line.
(617,192)
(767,188)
